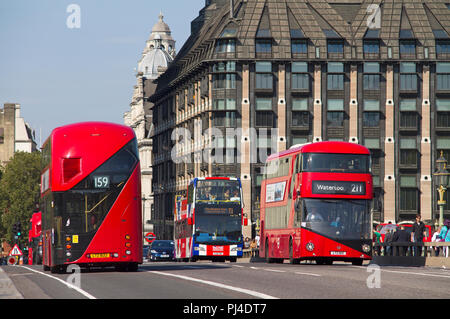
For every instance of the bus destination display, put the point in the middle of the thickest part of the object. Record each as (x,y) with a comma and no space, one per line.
(338,187)
(218,210)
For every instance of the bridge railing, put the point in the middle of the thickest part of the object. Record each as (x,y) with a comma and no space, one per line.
(411,254)
(428,249)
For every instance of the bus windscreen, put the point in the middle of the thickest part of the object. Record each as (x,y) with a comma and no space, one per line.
(349,219)
(336,163)
(218,224)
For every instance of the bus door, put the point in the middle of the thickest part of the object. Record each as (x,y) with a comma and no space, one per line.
(296,201)
(47,249)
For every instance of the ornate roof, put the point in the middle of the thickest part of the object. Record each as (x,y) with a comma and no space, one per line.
(161,26)
(317,21)
(159,51)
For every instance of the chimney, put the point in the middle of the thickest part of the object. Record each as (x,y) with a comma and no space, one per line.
(231,9)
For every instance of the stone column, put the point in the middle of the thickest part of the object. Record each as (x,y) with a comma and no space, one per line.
(209,106)
(317,123)
(426,202)
(281,111)
(389,149)
(353,108)
(245,147)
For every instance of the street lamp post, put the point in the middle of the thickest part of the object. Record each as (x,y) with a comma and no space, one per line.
(143,216)
(442,176)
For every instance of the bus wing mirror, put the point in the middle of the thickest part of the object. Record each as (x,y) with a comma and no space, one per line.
(244,219)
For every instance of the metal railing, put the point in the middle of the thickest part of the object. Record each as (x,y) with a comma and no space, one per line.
(427,249)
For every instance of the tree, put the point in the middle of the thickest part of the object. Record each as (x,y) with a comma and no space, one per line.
(19,193)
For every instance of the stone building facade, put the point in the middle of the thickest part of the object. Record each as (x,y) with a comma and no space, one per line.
(156,56)
(15,134)
(375,73)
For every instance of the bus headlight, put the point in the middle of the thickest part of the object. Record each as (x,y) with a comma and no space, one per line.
(236,249)
(366,248)
(309,246)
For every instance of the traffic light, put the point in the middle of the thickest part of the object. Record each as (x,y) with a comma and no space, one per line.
(19,229)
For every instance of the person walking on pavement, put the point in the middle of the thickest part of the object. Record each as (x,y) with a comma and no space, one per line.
(445,235)
(417,235)
(401,236)
(377,242)
(388,240)
(436,238)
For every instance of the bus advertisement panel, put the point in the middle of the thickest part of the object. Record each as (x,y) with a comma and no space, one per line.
(316,204)
(91,197)
(208,222)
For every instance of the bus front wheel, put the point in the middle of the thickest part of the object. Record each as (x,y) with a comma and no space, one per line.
(266,252)
(292,260)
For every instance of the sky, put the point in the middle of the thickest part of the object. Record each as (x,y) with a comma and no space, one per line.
(63,67)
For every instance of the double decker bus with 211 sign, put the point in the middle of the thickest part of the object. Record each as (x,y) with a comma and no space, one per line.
(91,197)
(208,222)
(315,204)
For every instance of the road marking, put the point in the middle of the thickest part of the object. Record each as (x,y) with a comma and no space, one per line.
(216,284)
(407,272)
(23,274)
(81,291)
(273,270)
(308,274)
(415,273)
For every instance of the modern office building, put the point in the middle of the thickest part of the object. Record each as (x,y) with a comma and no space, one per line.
(375,73)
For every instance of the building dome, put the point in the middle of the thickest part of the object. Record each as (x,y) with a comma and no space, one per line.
(155,59)
(161,36)
(161,26)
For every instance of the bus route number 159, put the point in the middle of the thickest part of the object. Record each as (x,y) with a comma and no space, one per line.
(101,181)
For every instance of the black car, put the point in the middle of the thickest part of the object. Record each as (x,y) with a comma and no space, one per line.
(145,251)
(161,250)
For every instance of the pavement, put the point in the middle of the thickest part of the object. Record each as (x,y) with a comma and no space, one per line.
(7,288)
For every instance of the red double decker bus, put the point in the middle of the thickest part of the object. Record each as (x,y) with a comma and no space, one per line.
(91,197)
(35,239)
(315,204)
(208,222)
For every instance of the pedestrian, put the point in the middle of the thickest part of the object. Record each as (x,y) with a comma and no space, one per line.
(445,235)
(253,247)
(257,239)
(388,241)
(247,243)
(436,238)
(377,241)
(417,235)
(402,239)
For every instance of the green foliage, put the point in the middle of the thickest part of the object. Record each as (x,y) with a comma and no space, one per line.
(19,192)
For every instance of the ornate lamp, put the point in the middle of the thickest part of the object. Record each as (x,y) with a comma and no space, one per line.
(441,178)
